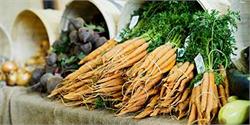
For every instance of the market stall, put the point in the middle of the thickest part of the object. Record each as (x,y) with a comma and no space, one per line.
(128,62)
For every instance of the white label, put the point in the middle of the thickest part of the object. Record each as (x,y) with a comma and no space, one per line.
(118,38)
(187,40)
(200,66)
(133,22)
(180,52)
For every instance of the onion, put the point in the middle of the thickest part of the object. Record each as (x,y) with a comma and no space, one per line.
(235,112)
(12,78)
(23,78)
(2,76)
(9,66)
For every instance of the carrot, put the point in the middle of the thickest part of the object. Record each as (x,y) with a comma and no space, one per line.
(184,95)
(175,68)
(210,96)
(192,115)
(84,87)
(132,109)
(181,115)
(225,80)
(109,44)
(222,94)
(77,96)
(87,75)
(79,84)
(144,113)
(178,73)
(165,110)
(153,101)
(167,101)
(117,95)
(156,64)
(161,56)
(167,66)
(155,112)
(205,86)
(137,103)
(136,52)
(129,63)
(132,46)
(84,68)
(185,81)
(148,60)
(176,100)
(164,58)
(111,83)
(145,95)
(162,92)
(109,89)
(198,100)
(133,70)
(152,83)
(183,105)
(109,78)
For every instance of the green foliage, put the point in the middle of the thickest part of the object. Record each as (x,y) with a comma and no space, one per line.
(211,35)
(161,21)
(99,103)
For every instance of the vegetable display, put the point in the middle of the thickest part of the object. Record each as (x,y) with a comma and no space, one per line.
(152,70)
(78,41)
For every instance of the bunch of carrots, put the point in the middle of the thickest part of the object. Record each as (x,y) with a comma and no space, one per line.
(146,75)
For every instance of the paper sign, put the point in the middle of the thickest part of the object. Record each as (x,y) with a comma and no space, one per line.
(180,52)
(133,22)
(200,66)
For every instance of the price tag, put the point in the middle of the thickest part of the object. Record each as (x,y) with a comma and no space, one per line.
(200,66)
(180,52)
(133,22)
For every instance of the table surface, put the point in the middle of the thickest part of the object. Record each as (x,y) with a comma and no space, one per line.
(19,107)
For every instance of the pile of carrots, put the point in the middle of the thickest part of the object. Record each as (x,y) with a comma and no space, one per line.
(143,75)
(207,98)
(148,83)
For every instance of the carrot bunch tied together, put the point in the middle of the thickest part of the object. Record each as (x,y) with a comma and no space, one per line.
(144,76)
(174,95)
(79,84)
(152,70)
(210,87)
(101,73)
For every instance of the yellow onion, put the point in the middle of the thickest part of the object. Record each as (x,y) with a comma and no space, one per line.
(23,77)
(12,78)
(2,76)
(9,66)
(45,45)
